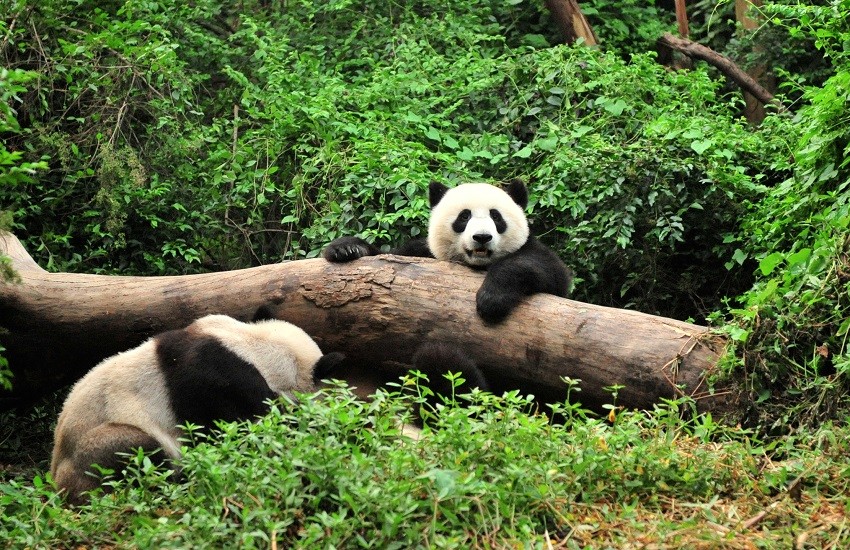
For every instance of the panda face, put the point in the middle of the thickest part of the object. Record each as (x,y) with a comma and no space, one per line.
(477,224)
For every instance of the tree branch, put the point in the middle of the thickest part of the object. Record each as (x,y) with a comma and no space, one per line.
(723,64)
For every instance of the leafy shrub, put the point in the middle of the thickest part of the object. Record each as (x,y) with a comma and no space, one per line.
(14,172)
(628,27)
(336,472)
(228,140)
(793,325)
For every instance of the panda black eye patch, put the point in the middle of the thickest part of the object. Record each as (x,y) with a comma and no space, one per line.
(501,224)
(459,225)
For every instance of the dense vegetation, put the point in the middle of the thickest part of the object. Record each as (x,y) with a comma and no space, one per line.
(337,474)
(160,137)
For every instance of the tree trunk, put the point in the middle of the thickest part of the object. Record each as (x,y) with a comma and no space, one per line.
(571,21)
(377,310)
(746,13)
(682,19)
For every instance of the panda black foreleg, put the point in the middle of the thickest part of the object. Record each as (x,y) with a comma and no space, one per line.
(506,284)
(437,359)
(416,247)
(494,302)
(347,249)
(532,269)
(326,365)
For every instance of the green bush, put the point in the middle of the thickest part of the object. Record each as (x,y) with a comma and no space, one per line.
(628,27)
(226,140)
(15,172)
(191,137)
(336,472)
(792,327)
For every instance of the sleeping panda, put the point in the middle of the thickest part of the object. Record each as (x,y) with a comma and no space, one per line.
(217,368)
(484,227)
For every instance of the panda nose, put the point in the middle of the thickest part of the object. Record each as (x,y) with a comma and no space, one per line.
(482,238)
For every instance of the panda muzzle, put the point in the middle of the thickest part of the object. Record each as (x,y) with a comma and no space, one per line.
(480,252)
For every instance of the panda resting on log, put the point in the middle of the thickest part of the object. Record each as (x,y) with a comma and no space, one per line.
(483,227)
(217,368)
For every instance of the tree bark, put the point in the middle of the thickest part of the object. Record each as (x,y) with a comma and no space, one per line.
(571,21)
(682,19)
(376,310)
(754,110)
(723,64)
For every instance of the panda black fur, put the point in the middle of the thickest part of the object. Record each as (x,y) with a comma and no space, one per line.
(484,227)
(435,360)
(217,368)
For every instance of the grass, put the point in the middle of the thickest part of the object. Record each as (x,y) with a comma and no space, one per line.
(336,473)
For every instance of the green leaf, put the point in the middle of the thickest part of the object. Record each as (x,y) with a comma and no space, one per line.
(738,334)
(432,133)
(799,258)
(616,108)
(547,143)
(701,145)
(739,256)
(465,154)
(579,131)
(537,41)
(844,327)
(769,263)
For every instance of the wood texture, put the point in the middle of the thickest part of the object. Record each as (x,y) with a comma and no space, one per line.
(571,21)
(376,310)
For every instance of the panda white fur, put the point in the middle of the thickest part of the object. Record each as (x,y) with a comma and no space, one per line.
(484,227)
(217,368)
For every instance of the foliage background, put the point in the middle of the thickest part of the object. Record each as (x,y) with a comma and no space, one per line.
(159,137)
(195,138)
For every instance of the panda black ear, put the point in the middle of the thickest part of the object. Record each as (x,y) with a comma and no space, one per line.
(436,190)
(517,190)
(326,364)
(263,313)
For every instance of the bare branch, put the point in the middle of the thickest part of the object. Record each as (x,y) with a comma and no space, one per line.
(723,64)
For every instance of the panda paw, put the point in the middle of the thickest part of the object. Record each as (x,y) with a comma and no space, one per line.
(346,249)
(493,307)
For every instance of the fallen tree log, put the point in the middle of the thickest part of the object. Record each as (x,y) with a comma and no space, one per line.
(377,310)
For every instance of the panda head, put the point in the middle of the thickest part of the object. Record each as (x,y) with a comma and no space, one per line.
(285,356)
(477,224)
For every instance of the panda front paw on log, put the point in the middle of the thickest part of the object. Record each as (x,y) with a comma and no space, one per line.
(217,368)
(484,227)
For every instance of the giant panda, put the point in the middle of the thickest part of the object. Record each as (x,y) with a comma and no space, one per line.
(217,368)
(483,227)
